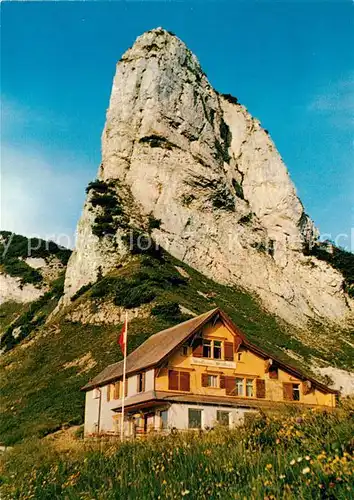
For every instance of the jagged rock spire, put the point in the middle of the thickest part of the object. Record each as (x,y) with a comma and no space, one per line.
(176,149)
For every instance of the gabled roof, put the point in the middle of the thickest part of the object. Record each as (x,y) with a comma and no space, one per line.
(153,350)
(160,345)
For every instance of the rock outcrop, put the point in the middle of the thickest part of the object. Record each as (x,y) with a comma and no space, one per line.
(28,267)
(177,152)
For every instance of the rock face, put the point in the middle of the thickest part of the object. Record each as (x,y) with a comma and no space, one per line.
(12,289)
(177,151)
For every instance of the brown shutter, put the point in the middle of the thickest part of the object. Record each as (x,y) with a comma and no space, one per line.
(260,388)
(228,351)
(143,382)
(198,348)
(222,381)
(230,385)
(273,372)
(116,390)
(204,380)
(237,343)
(287,391)
(184,379)
(126,388)
(173,380)
(108,392)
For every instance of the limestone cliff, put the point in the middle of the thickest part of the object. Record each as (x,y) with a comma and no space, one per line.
(28,267)
(195,162)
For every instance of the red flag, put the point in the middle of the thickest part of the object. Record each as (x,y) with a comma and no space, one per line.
(122,339)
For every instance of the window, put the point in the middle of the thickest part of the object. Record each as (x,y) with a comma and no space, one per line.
(194,418)
(223,417)
(217,349)
(296,392)
(206,348)
(184,350)
(249,387)
(163,417)
(239,386)
(291,392)
(213,349)
(239,356)
(141,382)
(178,381)
(212,381)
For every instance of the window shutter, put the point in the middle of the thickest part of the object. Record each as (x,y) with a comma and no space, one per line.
(198,348)
(260,388)
(230,385)
(222,381)
(126,388)
(108,392)
(143,382)
(116,390)
(184,378)
(173,380)
(287,391)
(204,380)
(228,351)
(273,373)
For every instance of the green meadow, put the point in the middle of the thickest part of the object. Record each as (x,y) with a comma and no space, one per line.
(288,455)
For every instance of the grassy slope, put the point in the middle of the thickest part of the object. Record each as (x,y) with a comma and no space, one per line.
(39,393)
(9,311)
(286,456)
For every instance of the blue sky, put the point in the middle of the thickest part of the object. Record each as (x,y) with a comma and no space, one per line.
(290,63)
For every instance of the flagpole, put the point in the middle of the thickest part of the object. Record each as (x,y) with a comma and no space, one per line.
(124,370)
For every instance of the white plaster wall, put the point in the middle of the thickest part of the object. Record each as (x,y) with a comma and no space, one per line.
(150,380)
(178,415)
(132,385)
(91,413)
(92,410)
(106,419)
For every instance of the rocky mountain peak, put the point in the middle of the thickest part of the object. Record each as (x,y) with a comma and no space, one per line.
(177,152)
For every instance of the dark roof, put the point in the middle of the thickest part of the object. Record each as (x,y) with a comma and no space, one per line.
(153,398)
(157,347)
